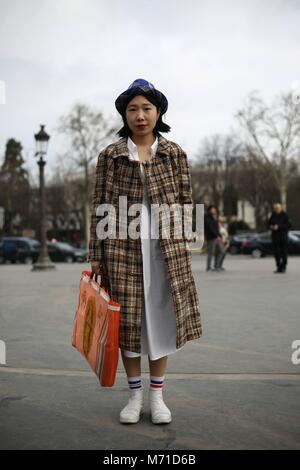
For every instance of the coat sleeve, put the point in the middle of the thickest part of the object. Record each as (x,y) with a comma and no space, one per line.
(286,224)
(95,244)
(211,227)
(270,222)
(185,193)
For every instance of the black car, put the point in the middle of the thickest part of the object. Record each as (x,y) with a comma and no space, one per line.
(81,254)
(296,233)
(62,251)
(27,250)
(261,245)
(19,249)
(236,241)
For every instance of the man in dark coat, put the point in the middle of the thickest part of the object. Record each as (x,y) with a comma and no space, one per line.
(213,238)
(279,224)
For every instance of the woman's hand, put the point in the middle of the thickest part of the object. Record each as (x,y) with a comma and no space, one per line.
(96,267)
(100,268)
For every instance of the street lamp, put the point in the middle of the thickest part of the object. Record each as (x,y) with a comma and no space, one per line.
(43,262)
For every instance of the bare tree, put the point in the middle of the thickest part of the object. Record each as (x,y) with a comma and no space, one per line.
(88,132)
(273,134)
(255,183)
(65,205)
(214,168)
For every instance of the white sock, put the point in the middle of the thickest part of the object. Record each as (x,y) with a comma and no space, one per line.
(135,383)
(156,383)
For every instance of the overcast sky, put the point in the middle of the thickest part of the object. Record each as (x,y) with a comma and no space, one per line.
(204,55)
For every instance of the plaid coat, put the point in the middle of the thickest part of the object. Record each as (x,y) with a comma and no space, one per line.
(169,181)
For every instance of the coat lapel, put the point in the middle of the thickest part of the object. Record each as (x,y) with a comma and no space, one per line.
(120,147)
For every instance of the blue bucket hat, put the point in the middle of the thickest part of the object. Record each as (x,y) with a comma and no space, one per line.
(140,85)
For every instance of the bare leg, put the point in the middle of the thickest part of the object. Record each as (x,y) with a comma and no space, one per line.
(158,367)
(160,413)
(132,365)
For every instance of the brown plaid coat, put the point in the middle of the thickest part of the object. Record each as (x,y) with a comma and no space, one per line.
(169,181)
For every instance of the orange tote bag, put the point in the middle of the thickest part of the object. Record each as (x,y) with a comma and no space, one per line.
(96,329)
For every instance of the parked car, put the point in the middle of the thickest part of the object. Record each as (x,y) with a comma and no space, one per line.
(296,233)
(236,241)
(261,245)
(26,250)
(19,249)
(81,255)
(62,251)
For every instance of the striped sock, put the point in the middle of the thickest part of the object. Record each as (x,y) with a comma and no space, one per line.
(156,383)
(135,383)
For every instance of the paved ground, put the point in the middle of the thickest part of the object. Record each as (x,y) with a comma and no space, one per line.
(235,388)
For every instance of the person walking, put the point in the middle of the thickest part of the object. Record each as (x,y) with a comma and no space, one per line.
(150,277)
(280,224)
(222,245)
(213,238)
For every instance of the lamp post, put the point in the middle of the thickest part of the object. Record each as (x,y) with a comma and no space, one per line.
(43,262)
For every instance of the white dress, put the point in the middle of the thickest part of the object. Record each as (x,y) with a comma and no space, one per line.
(158,337)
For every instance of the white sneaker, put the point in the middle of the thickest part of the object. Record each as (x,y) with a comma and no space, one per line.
(134,409)
(160,413)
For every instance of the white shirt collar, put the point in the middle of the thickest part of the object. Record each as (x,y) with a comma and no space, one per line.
(133,148)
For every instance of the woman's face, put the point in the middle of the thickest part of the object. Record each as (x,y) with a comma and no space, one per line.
(141,115)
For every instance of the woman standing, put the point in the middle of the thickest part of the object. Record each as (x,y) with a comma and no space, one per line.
(222,245)
(150,276)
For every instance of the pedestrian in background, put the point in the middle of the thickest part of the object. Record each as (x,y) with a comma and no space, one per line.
(222,245)
(213,237)
(280,225)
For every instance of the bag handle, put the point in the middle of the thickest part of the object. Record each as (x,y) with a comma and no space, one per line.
(92,274)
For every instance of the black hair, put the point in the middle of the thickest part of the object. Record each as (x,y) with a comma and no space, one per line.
(212,206)
(161,126)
